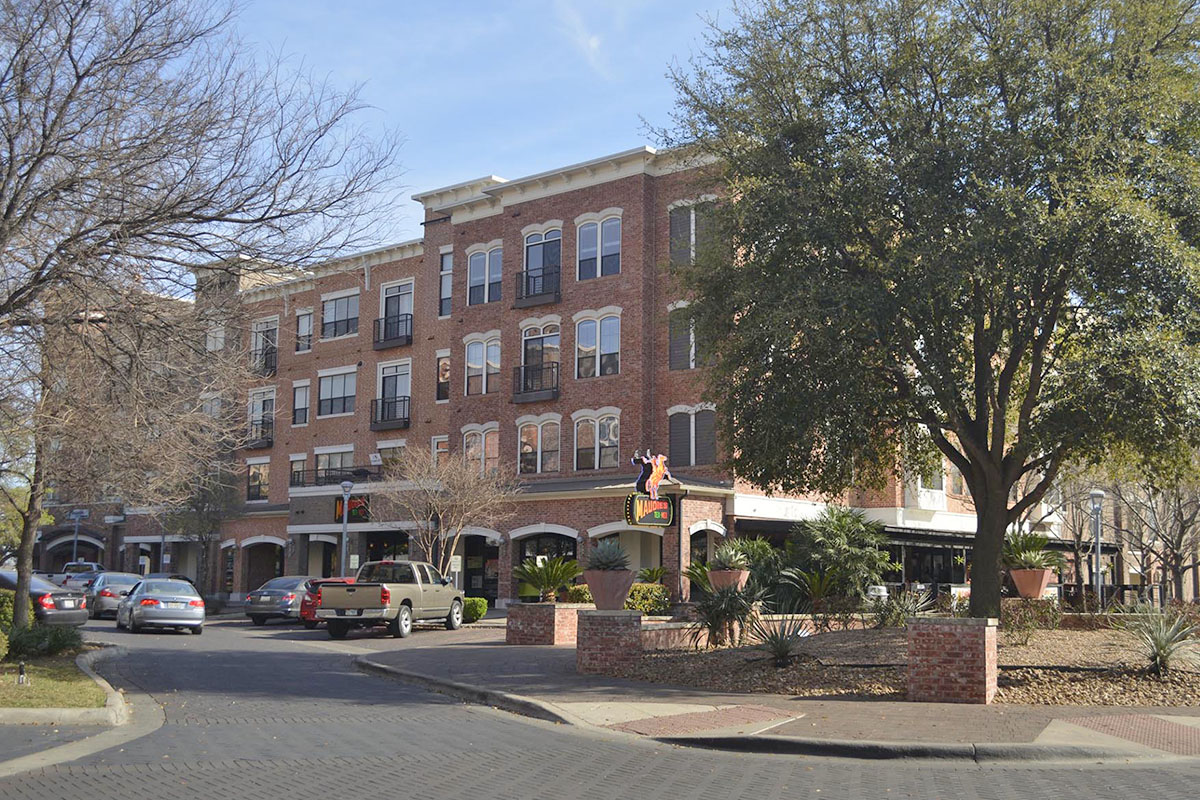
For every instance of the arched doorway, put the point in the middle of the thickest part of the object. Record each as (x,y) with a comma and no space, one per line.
(479,550)
(58,549)
(643,544)
(541,541)
(262,558)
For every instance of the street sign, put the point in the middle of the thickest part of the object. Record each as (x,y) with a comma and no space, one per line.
(78,513)
(166,559)
(456,563)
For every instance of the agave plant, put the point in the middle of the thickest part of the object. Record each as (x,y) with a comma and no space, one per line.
(697,574)
(779,638)
(727,557)
(1164,638)
(652,574)
(548,576)
(608,557)
(723,614)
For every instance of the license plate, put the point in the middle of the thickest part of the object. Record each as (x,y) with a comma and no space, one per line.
(262,599)
(353,612)
(68,603)
(173,605)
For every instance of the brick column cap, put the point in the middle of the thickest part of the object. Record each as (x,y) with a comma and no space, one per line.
(595,613)
(967,622)
(553,605)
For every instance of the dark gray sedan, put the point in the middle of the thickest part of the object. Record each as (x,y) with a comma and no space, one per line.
(106,591)
(162,604)
(52,605)
(278,597)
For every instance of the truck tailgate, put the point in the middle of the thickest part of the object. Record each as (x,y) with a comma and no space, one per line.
(351,596)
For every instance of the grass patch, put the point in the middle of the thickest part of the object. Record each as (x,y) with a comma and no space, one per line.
(55,682)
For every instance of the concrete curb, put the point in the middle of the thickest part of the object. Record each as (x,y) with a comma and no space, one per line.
(114,713)
(928,751)
(776,745)
(514,703)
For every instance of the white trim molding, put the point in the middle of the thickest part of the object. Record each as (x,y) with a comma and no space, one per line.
(595,413)
(681,409)
(691,201)
(538,322)
(548,225)
(258,460)
(493,537)
(83,537)
(227,543)
(483,247)
(446,248)
(707,525)
(599,313)
(617,527)
(330,371)
(598,216)
(298,457)
(675,305)
(322,537)
(538,419)
(471,338)
(477,427)
(385,443)
(542,527)
(333,448)
(338,295)
(253,540)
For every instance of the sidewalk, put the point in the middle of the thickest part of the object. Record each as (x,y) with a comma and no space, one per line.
(478,660)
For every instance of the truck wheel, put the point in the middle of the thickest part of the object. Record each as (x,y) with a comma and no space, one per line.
(197,630)
(401,626)
(454,618)
(259,619)
(337,630)
(309,624)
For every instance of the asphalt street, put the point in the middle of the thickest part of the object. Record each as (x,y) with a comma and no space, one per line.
(278,711)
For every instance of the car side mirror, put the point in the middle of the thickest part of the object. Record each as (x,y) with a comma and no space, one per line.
(445,581)
(124,594)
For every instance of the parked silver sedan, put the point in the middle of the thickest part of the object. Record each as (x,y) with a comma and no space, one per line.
(278,597)
(105,592)
(161,604)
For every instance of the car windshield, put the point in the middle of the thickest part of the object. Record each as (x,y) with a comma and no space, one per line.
(121,580)
(282,583)
(387,573)
(8,580)
(168,587)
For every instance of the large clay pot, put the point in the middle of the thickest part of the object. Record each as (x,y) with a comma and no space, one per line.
(1031,583)
(609,587)
(721,578)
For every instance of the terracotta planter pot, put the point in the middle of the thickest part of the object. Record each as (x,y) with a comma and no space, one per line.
(1031,583)
(609,587)
(721,578)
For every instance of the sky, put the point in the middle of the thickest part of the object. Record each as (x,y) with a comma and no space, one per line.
(508,88)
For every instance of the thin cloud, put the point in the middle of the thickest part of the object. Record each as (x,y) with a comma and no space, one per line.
(588,43)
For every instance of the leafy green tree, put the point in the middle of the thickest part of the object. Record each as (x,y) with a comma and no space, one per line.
(969,224)
(844,544)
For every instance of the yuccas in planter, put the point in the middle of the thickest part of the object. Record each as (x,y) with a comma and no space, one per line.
(608,576)
(728,567)
(1030,564)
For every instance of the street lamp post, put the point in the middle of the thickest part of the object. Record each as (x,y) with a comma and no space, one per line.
(1097,496)
(77,514)
(347,486)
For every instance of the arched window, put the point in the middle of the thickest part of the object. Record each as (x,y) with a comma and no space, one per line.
(538,447)
(599,249)
(484,276)
(597,442)
(598,347)
(483,367)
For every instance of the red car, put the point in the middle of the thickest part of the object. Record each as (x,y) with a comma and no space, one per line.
(309,603)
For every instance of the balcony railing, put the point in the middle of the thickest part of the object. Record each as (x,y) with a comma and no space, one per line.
(333,476)
(535,382)
(264,362)
(537,287)
(393,331)
(262,433)
(389,413)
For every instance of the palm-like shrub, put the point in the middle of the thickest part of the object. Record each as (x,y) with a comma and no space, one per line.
(652,574)
(608,557)
(547,577)
(697,574)
(1029,551)
(844,542)
(723,615)
(778,638)
(1165,638)
(727,557)
(815,586)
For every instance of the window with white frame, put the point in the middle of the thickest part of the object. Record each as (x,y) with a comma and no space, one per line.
(390,451)
(296,469)
(395,308)
(538,446)
(445,283)
(330,465)
(598,346)
(210,405)
(214,339)
(264,345)
(597,439)
(304,330)
(395,387)
(336,394)
(484,276)
(599,249)
(483,366)
(300,402)
(543,252)
(258,481)
(339,316)
(443,378)
(682,347)
(440,446)
(540,353)
(690,228)
(481,445)
(262,406)
(692,434)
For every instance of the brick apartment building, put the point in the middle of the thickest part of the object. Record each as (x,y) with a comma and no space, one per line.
(531,328)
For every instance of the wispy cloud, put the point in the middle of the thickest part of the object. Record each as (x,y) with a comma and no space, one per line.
(586,41)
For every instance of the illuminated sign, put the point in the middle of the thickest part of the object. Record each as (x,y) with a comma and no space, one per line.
(358,509)
(642,509)
(654,471)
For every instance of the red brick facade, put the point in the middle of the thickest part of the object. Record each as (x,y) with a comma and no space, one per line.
(543,623)
(608,641)
(952,660)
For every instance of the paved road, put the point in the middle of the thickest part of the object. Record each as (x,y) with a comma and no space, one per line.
(272,712)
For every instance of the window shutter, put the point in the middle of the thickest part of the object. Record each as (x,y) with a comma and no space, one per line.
(706,437)
(681,340)
(704,213)
(680,427)
(681,235)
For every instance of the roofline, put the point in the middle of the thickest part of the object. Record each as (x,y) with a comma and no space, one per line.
(591,163)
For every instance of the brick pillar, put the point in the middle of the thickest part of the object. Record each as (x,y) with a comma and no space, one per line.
(952,660)
(605,640)
(542,623)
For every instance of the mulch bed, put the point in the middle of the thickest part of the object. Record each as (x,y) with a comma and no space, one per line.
(1058,667)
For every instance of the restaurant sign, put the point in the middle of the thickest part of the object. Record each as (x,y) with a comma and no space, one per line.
(645,507)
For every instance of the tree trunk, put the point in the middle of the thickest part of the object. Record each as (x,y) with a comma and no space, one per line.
(29,525)
(991,522)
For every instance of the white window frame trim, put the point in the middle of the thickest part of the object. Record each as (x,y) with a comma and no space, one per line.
(446,249)
(329,373)
(312,323)
(400,362)
(474,338)
(383,287)
(589,315)
(438,355)
(599,218)
(593,415)
(305,383)
(691,411)
(539,420)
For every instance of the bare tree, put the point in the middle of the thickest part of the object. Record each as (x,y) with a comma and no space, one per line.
(444,497)
(1164,523)
(214,498)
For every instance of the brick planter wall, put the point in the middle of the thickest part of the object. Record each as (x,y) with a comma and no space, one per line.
(951,660)
(543,623)
(608,640)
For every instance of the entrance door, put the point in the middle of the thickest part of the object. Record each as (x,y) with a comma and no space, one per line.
(387,546)
(481,568)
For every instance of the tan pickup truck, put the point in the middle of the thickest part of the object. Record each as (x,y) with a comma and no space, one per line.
(391,593)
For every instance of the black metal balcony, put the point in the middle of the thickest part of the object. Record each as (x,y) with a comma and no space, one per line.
(389,413)
(393,331)
(333,476)
(262,433)
(265,361)
(537,287)
(535,382)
